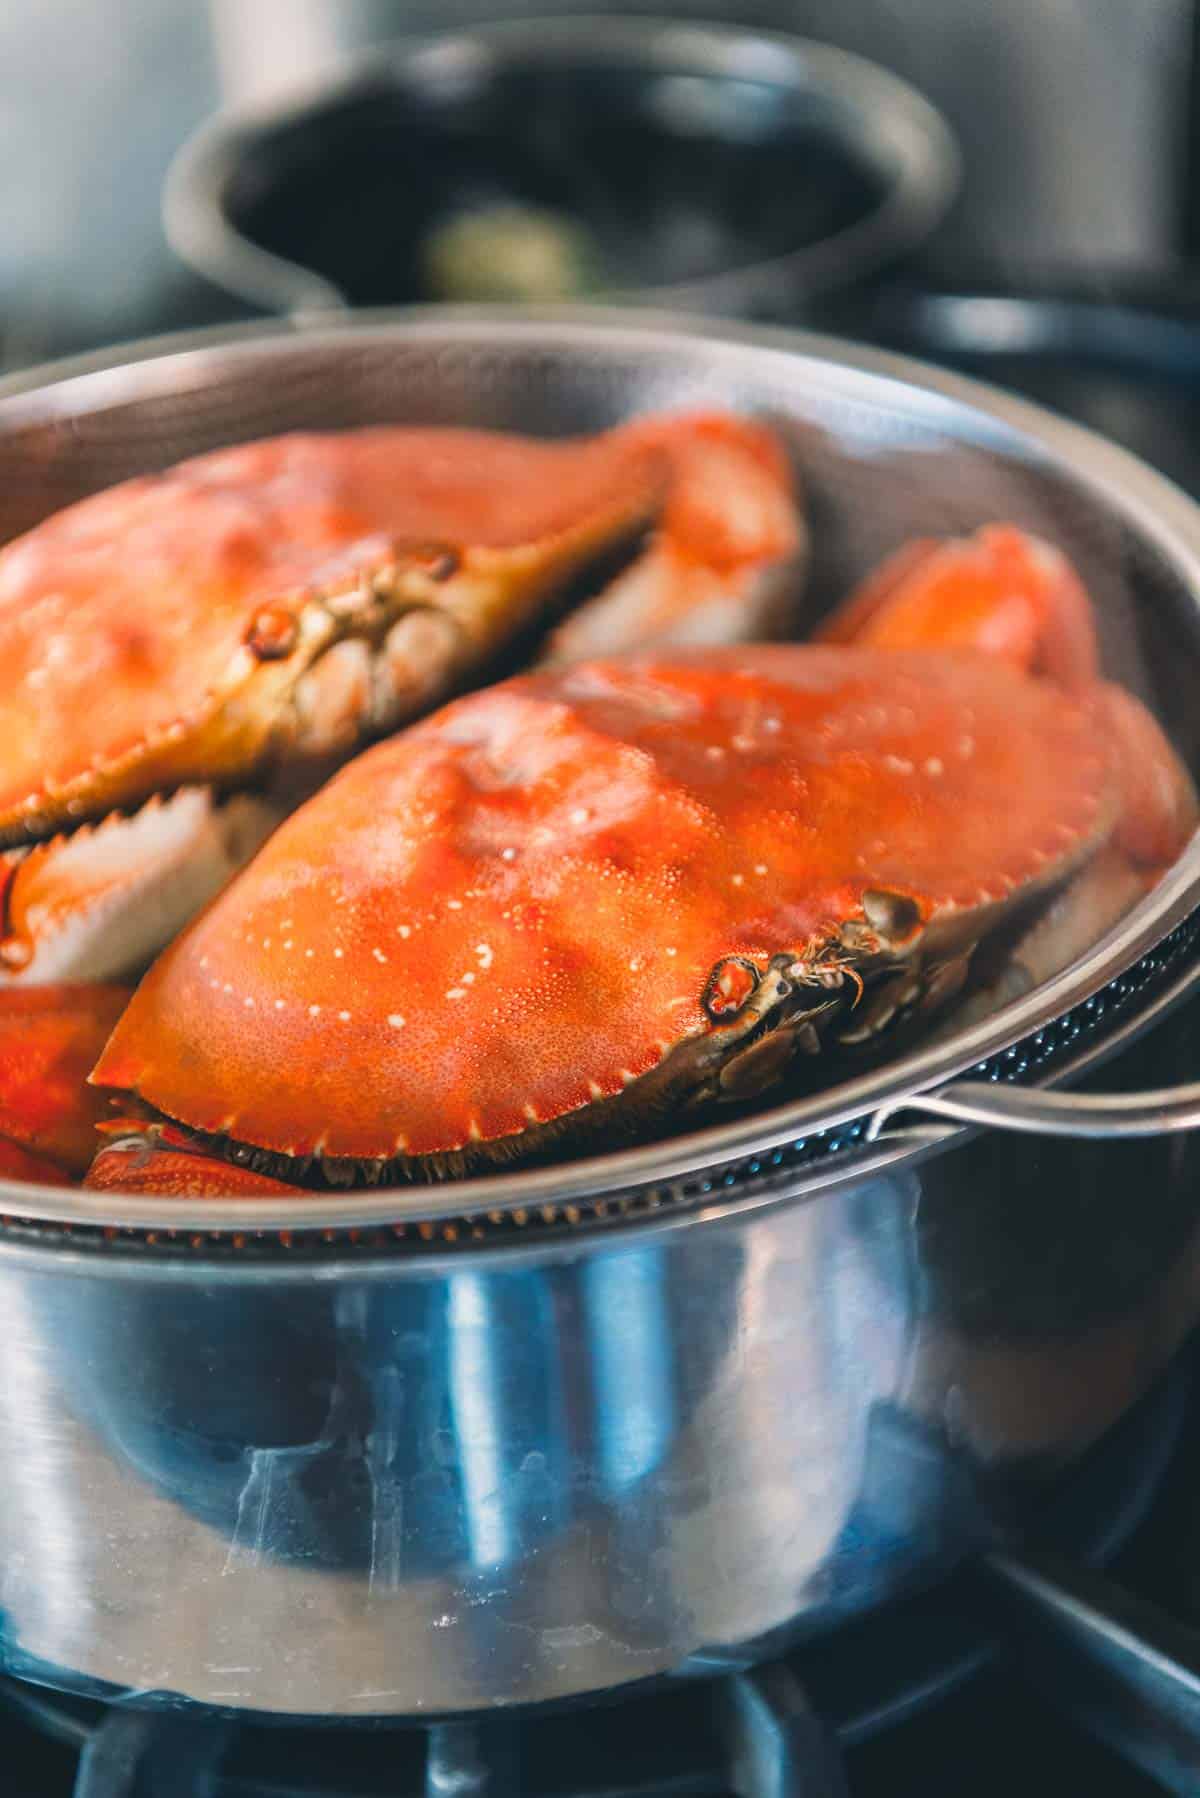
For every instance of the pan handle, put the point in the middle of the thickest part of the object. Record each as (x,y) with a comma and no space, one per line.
(1042,1113)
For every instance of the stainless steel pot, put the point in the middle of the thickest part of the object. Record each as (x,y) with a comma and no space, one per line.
(541,1434)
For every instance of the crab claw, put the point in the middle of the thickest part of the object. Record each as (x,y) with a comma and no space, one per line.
(249,617)
(164,1162)
(50,1038)
(1001,591)
(100,902)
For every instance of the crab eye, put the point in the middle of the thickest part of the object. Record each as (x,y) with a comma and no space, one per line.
(732,982)
(272,634)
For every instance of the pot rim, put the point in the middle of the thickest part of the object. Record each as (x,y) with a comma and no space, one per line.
(904,133)
(1148,501)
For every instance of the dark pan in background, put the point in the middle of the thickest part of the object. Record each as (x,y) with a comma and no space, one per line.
(710,168)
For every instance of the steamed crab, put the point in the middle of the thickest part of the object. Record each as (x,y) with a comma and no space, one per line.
(594,897)
(186,653)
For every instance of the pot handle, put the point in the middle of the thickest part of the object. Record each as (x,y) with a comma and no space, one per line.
(1045,1113)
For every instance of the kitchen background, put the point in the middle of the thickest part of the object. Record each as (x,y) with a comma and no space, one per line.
(1072,117)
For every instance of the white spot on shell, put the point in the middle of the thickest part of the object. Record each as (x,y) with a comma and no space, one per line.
(933,765)
(378,954)
(627,1077)
(344,1016)
(395,1020)
(714,752)
(739,880)
(468,979)
(338,954)
(597,1092)
(743,743)
(204,961)
(228,988)
(760,867)
(309,953)
(508,855)
(771,724)
(966,747)
(457,992)
(671,951)
(248,1002)
(314,1011)
(484,955)
(898,764)
(289,944)
(635,964)
(279,1004)
(404,930)
(531,1114)
(580,815)
(454,905)
(266,942)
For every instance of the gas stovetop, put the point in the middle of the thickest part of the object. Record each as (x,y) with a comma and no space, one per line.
(1029,1674)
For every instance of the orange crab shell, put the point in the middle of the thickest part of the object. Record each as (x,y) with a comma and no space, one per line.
(513,909)
(132,620)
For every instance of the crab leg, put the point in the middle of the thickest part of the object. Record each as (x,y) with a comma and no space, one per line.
(103,901)
(1008,594)
(726,561)
(50,1038)
(1002,591)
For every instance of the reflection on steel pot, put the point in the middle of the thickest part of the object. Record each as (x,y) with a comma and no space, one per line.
(519,1438)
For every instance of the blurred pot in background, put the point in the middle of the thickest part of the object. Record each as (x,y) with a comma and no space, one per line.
(1069,113)
(705,167)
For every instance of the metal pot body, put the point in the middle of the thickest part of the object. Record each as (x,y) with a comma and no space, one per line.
(406,1485)
(417,1476)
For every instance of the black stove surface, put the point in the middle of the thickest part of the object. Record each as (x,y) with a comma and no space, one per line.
(994,1740)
